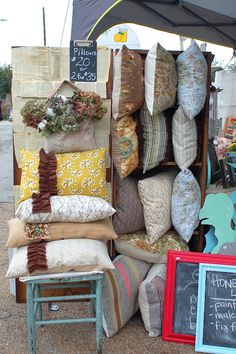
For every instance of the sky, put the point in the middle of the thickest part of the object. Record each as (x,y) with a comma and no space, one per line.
(24,27)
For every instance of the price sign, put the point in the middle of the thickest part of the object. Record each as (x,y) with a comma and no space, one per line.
(83,61)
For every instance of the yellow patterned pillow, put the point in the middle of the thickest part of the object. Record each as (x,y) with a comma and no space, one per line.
(82,173)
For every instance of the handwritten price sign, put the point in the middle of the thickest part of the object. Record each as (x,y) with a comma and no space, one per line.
(83,61)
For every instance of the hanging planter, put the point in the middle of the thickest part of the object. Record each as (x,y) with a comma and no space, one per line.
(66,123)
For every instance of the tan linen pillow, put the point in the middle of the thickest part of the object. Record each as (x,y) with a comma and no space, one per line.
(128,84)
(22,234)
(160,79)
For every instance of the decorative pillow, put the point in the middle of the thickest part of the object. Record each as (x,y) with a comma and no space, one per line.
(137,245)
(192,80)
(151,299)
(63,256)
(22,234)
(71,208)
(77,173)
(129,209)
(82,140)
(155,138)
(120,292)
(128,84)
(160,79)
(184,139)
(185,204)
(155,194)
(124,146)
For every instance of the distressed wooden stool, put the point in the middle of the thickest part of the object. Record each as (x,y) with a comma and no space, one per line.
(34,300)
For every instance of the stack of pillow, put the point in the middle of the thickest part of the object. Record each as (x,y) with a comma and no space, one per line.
(64,216)
(157,211)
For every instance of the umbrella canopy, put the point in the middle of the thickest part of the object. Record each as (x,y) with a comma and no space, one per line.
(207,20)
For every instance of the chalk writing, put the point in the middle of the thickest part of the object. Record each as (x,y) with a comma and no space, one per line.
(83,61)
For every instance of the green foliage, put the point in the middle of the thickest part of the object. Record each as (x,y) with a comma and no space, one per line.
(5,80)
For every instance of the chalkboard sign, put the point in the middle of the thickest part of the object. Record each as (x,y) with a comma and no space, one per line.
(216,315)
(181,293)
(83,61)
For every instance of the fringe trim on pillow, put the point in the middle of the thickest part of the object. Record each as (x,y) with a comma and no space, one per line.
(37,232)
(36,257)
(47,182)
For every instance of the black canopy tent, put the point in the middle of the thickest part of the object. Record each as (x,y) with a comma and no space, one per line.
(208,20)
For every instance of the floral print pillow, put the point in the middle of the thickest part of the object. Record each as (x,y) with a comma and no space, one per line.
(192,80)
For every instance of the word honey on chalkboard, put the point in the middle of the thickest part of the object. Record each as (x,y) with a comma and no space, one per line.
(83,61)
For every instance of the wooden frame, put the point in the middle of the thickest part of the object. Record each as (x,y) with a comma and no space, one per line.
(215,309)
(169,332)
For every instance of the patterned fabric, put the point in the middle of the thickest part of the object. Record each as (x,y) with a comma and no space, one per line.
(124,146)
(155,138)
(184,138)
(192,80)
(151,299)
(160,79)
(137,245)
(120,292)
(22,234)
(77,173)
(185,204)
(129,209)
(73,208)
(82,140)
(128,84)
(155,194)
(63,256)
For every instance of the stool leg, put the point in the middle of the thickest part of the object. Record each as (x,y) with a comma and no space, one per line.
(39,304)
(99,315)
(30,319)
(92,301)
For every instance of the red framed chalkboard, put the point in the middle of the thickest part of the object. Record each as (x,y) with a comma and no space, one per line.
(180,307)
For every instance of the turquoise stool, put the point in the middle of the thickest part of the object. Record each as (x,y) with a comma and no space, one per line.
(34,301)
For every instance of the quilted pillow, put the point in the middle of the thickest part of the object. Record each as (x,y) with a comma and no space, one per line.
(137,245)
(71,208)
(63,256)
(160,79)
(129,209)
(82,140)
(192,80)
(22,234)
(184,139)
(120,292)
(155,138)
(124,145)
(151,299)
(155,194)
(128,84)
(185,204)
(77,173)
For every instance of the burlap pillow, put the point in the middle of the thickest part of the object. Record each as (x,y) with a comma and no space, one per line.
(160,79)
(128,84)
(129,210)
(22,234)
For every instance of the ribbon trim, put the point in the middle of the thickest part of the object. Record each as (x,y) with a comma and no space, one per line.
(36,257)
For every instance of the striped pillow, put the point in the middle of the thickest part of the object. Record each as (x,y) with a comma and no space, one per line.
(151,299)
(120,292)
(155,138)
(184,138)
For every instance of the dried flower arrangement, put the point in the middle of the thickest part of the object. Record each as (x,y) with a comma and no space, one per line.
(62,114)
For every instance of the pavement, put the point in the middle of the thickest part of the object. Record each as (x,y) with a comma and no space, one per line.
(58,339)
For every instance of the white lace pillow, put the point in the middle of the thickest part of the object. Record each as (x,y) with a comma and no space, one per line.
(71,208)
(192,80)
(185,204)
(80,255)
(155,194)
(184,139)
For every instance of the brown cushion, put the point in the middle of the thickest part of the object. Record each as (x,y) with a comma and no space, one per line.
(128,84)
(21,234)
(129,210)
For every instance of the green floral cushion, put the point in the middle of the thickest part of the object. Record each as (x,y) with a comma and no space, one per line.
(137,245)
